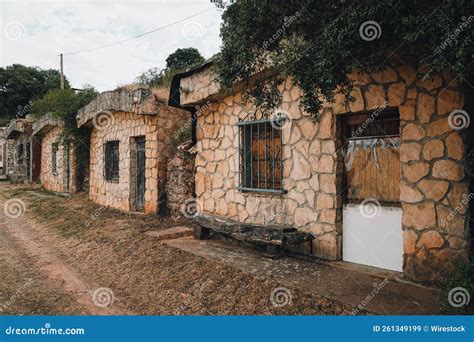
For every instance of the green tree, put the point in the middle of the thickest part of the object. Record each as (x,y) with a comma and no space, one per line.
(319,44)
(184,58)
(21,85)
(176,62)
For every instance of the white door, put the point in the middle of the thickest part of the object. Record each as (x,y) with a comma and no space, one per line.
(373,236)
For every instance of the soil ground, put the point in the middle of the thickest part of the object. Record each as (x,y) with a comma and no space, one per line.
(61,251)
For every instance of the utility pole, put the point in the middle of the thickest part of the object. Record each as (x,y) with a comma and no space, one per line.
(62,71)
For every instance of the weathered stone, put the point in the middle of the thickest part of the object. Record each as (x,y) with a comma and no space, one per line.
(434,190)
(386,75)
(459,197)
(314,182)
(407,111)
(419,216)
(308,128)
(409,241)
(433,149)
(327,246)
(455,145)
(413,132)
(396,94)
(431,83)
(297,196)
(456,242)
(324,201)
(326,164)
(409,194)
(415,172)
(304,216)
(358,104)
(326,126)
(301,168)
(328,216)
(448,169)
(450,222)
(425,107)
(430,240)
(449,100)
(328,183)
(409,152)
(438,128)
(375,97)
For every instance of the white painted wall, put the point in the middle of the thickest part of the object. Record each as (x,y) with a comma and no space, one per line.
(374,240)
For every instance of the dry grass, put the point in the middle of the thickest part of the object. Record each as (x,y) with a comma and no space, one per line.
(151,278)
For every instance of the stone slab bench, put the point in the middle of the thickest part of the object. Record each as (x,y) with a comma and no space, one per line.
(275,238)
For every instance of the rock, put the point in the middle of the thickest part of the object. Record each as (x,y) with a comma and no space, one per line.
(455,145)
(430,240)
(433,149)
(415,172)
(438,128)
(413,132)
(409,152)
(324,201)
(407,111)
(386,75)
(375,96)
(419,216)
(409,194)
(449,100)
(358,104)
(304,216)
(425,107)
(396,95)
(409,241)
(434,190)
(448,169)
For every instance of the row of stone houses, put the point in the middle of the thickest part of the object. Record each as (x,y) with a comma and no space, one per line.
(378,181)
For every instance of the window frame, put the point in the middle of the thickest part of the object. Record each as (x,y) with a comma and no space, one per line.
(243,186)
(112,174)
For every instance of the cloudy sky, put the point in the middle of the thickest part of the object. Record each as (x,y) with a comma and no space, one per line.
(36,32)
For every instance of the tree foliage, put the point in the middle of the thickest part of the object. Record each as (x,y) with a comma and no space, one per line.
(184,58)
(20,85)
(320,43)
(176,62)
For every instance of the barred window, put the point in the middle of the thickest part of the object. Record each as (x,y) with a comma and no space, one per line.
(111,161)
(54,155)
(260,156)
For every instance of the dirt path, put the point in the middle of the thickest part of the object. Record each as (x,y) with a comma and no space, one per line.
(39,247)
(77,247)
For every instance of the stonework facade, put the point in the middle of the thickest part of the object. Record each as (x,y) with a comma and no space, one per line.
(57,161)
(144,119)
(433,184)
(180,183)
(18,133)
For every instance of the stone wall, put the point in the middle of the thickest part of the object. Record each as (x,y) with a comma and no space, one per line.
(56,181)
(433,182)
(158,132)
(180,184)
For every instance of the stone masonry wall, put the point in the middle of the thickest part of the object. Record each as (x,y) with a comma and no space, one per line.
(56,181)
(180,184)
(158,131)
(433,182)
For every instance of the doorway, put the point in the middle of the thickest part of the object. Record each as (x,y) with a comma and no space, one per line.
(139,174)
(371,213)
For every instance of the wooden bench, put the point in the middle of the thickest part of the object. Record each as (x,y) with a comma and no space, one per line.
(273,237)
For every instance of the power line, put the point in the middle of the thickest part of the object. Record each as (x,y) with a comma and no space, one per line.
(140,35)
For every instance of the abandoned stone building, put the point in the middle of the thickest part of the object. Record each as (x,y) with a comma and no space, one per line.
(131,138)
(19,146)
(55,160)
(376,182)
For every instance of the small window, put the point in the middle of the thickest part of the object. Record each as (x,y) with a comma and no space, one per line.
(112,161)
(260,156)
(54,153)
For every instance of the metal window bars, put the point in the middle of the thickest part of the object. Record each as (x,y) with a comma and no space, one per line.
(260,156)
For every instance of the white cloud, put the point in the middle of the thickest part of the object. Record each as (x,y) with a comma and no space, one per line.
(35,32)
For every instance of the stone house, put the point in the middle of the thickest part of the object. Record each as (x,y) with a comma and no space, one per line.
(18,134)
(131,138)
(376,182)
(55,160)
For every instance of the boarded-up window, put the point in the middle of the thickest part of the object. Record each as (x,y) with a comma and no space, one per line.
(111,161)
(260,156)
(372,157)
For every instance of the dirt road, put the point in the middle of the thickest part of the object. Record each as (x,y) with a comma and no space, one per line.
(69,256)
